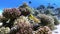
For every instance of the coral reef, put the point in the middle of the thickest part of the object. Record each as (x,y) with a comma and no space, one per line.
(25,9)
(4,30)
(23,5)
(14,29)
(48,11)
(43,30)
(56,22)
(3,20)
(11,13)
(27,20)
(41,7)
(46,20)
(25,26)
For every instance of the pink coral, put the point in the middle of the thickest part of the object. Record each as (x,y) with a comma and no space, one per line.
(25,26)
(43,30)
(11,13)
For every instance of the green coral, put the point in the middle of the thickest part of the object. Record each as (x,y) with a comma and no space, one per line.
(23,5)
(48,11)
(56,21)
(25,9)
(47,21)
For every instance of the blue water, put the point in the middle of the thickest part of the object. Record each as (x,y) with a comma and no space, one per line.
(35,3)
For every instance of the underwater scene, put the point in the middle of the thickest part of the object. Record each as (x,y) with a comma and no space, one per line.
(29,16)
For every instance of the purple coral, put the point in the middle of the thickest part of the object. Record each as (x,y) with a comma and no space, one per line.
(11,13)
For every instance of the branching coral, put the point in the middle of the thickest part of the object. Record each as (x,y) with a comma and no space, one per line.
(11,14)
(25,9)
(25,26)
(14,29)
(48,11)
(56,21)
(43,30)
(46,20)
(23,5)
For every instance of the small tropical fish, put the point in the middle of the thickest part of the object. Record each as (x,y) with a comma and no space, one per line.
(34,18)
(30,2)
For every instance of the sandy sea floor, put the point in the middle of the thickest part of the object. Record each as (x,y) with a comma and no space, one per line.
(56,31)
